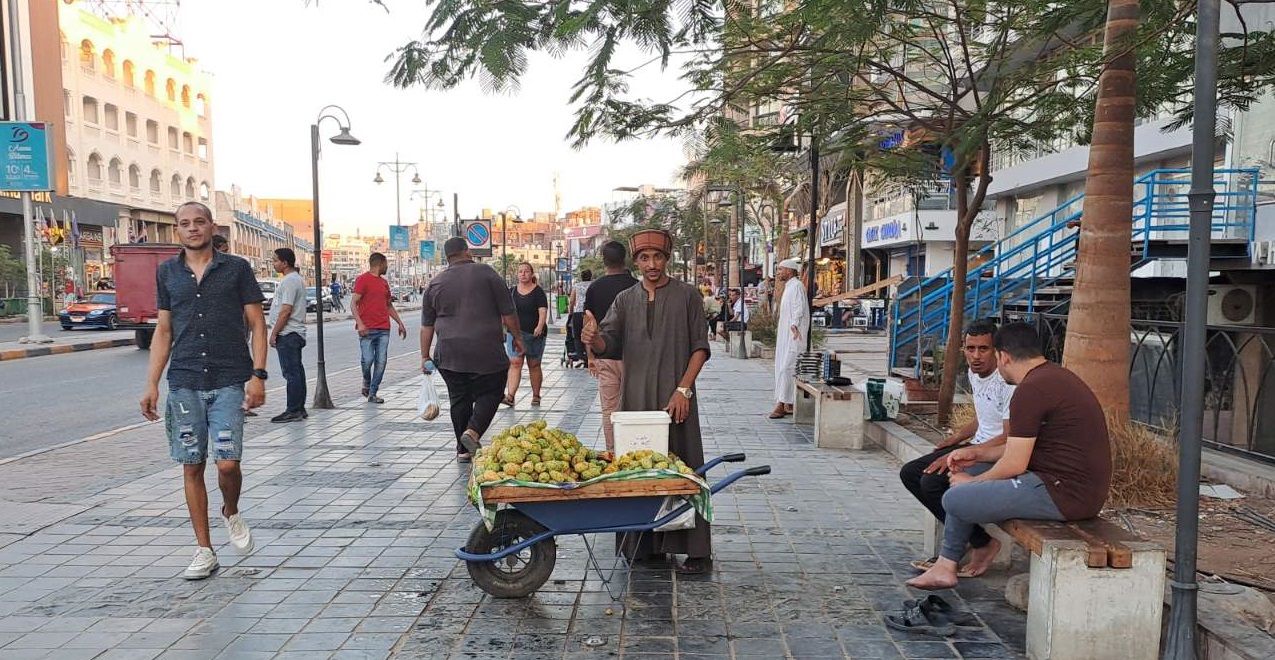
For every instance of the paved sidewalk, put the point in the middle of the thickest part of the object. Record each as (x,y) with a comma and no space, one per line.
(356,513)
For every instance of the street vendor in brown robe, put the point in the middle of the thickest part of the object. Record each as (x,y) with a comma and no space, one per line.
(659,328)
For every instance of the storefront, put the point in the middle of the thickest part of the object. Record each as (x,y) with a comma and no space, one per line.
(90,228)
(830,267)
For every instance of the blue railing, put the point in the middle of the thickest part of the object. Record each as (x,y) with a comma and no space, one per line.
(1038,255)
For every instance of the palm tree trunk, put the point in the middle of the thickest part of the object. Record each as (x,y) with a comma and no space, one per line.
(1097,342)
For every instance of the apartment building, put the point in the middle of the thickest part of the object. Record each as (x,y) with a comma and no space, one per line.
(138,120)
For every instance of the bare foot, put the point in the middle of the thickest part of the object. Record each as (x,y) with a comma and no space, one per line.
(942,575)
(981,559)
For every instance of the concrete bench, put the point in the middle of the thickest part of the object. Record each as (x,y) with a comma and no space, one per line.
(1095,590)
(835,411)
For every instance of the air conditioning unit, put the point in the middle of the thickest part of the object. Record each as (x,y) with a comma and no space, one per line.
(1232,305)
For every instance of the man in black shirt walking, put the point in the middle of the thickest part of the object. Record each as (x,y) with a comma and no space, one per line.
(607,368)
(209,303)
(469,309)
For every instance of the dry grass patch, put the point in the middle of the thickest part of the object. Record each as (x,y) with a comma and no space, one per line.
(1144,466)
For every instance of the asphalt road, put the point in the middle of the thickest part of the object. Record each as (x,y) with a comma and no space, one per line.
(51,400)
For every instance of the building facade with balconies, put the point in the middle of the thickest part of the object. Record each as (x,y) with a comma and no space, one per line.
(138,121)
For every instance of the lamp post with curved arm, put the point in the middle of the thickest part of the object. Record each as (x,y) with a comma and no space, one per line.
(321,397)
(397,167)
(504,243)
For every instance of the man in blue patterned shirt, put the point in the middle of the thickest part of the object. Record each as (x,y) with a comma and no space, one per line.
(209,304)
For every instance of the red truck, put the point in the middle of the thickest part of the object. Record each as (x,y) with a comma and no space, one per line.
(135,303)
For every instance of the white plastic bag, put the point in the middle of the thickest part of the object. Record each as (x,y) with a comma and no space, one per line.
(684,521)
(427,402)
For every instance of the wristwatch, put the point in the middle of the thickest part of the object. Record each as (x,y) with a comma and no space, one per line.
(686,392)
(260,373)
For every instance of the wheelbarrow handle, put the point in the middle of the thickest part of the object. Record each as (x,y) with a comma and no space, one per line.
(736,476)
(757,471)
(728,458)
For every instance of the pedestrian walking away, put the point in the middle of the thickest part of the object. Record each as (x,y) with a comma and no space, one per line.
(927,477)
(287,333)
(337,305)
(659,330)
(608,368)
(790,336)
(532,306)
(209,306)
(373,306)
(467,308)
(578,354)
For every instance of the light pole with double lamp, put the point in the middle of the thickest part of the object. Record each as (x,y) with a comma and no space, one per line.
(321,397)
(397,167)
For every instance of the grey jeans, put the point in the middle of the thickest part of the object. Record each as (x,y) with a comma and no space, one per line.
(972,504)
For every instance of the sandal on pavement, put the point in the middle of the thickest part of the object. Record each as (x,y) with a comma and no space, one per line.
(920,620)
(464,457)
(775,414)
(935,603)
(535,400)
(508,401)
(694,566)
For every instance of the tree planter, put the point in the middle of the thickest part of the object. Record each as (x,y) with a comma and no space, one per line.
(918,391)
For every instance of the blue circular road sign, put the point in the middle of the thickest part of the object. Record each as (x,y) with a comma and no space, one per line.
(477,235)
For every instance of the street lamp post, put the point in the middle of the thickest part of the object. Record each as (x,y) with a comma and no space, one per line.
(321,397)
(504,243)
(397,167)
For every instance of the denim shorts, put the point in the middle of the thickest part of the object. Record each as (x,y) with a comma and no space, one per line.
(191,417)
(533,347)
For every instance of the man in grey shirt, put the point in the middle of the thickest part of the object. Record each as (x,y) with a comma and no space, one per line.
(287,332)
(468,307)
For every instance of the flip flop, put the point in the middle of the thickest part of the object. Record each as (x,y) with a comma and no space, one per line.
(923,565)
(464,458)
(535,400)
(935,603)
(508,401)
(920,620)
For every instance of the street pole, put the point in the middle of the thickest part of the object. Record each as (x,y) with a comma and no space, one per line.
(322,399)
(811,233)
(35,307)
(1181,642)
(456,213)
(504,242)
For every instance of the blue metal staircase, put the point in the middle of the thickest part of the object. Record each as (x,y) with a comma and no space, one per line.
(1031,269)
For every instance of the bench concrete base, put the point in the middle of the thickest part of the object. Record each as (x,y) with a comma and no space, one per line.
(1076,612)
(838,418)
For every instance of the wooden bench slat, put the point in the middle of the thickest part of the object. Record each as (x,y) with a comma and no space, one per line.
(1032,534)
(1109,535)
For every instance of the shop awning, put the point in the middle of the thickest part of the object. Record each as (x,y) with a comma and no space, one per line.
(860,292)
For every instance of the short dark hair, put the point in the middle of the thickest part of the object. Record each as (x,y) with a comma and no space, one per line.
(454,246)
(287,256)
(1019,340)
(586,275)
(613,254)
(376,258)
(208,214)
(980,328)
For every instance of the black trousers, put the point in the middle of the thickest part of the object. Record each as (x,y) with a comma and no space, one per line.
(577,344)
(928,489)
(474,399)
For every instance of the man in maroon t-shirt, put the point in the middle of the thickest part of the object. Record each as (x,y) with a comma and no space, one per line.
(373,306)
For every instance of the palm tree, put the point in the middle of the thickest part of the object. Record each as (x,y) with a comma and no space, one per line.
(1097,346)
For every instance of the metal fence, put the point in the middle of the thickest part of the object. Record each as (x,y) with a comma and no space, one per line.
(1239,388)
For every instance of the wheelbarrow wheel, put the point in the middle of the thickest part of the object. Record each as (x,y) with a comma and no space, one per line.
(519,574)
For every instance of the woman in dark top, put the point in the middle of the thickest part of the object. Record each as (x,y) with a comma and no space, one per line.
(532,306)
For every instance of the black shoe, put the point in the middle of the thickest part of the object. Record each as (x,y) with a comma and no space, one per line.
(365,390)
(305,414)
(287,417)
(375,399)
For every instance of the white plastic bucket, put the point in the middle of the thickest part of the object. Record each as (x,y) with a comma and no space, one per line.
(640,429)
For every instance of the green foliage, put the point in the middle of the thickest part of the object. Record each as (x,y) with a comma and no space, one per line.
(13,272)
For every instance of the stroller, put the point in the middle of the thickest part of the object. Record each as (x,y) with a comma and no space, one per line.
(572,359)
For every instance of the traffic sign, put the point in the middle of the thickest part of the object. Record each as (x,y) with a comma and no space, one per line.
(477,235)
(24,157)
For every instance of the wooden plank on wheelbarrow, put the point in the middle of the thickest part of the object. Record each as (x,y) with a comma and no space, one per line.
(602,489)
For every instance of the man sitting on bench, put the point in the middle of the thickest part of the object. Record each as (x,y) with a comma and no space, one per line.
(926,477)
(1055,465)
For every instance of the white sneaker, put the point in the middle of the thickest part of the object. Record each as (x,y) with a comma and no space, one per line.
(203,564)
(240,535)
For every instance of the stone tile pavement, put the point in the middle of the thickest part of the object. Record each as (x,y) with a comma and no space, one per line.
(356,513)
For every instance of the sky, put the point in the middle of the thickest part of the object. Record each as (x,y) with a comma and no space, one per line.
(276,63)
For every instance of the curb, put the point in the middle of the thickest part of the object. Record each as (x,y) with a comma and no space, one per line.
(61,349)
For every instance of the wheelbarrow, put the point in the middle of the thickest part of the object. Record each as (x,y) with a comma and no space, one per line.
(516,556)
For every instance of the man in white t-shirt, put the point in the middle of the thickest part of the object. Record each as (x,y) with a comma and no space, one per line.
(926,477)
(287,333)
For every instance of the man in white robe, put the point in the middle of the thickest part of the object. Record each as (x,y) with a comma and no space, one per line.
(790,335)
